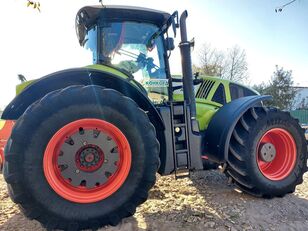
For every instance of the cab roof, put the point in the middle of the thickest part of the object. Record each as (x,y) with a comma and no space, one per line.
(89,15)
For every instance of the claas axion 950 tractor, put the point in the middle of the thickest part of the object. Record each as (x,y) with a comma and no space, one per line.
(87,142)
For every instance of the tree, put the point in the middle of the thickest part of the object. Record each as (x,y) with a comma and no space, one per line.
(34,5)
(230,64)
(281,88)
(236,68)
(211,61)
(261,88)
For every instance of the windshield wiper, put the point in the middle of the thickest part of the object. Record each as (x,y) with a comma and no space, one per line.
(163,29)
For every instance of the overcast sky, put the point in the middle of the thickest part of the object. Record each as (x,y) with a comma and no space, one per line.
(35,44)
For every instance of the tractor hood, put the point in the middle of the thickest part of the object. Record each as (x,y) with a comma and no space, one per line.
(89,15)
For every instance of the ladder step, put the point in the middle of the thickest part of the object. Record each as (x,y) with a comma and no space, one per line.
(182,160)
(182,169)
(182,176)
(178,110)
(181,151)
(179,125)
(182,173)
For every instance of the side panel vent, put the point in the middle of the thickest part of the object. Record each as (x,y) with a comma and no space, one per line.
(205,89)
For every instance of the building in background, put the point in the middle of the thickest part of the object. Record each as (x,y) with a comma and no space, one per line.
(300,105)
(301,98)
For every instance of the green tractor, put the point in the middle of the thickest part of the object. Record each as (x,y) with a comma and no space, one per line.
(88,142)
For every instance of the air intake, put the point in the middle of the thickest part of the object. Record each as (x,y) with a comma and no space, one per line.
(205,89)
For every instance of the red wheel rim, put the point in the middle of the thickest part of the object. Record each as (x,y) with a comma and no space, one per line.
(284,161)
(100,147)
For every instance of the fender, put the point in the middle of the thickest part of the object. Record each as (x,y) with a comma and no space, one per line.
(218,134)
(80,76)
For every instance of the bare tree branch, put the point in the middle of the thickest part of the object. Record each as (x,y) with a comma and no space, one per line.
(236,68)
(279,9)
(211,61)
(230,65)
(34,5)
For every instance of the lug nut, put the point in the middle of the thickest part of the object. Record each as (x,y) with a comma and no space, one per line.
(77,171)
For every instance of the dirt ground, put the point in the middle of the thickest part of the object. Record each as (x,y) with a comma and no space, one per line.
(204,202)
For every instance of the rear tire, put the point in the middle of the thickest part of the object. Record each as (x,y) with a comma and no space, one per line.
(35,190)
(250,170)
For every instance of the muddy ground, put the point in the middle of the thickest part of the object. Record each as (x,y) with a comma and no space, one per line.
(205,202)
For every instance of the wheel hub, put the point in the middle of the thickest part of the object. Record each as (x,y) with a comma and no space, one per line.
(267,152)
(93,163)
(89,158)
(276,154)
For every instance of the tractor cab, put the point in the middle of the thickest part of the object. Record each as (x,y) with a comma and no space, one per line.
(131,39)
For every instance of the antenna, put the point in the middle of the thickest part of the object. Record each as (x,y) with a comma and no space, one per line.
(22,78)
(101,2)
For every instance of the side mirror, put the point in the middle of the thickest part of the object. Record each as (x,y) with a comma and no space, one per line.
(169,44)
(175,22)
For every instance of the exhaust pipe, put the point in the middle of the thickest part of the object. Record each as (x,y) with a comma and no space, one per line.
(188,86)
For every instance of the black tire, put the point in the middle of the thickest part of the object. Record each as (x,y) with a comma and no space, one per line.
(25,150)
(242,167)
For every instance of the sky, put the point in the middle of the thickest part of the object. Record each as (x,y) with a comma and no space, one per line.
(35,44)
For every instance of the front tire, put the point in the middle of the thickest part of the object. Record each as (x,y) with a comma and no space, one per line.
(82,157)
(267,153)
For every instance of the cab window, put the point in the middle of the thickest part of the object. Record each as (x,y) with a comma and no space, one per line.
(220,95)
(238,91)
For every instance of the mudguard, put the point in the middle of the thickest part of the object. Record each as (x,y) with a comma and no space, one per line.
(218,134)
(80,76)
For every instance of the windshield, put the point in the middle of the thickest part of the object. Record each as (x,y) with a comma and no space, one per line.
(128,45)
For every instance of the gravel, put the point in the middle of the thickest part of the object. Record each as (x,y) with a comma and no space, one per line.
(204,202)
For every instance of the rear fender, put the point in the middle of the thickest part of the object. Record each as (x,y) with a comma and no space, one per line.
(218,134)
(80,76)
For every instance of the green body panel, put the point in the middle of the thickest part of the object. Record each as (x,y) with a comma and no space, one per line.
(206,108)
(22,86)
(218,81)
(108,69)
(205,112)
(2,122)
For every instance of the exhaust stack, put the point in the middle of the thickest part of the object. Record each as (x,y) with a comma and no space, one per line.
(188,86)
